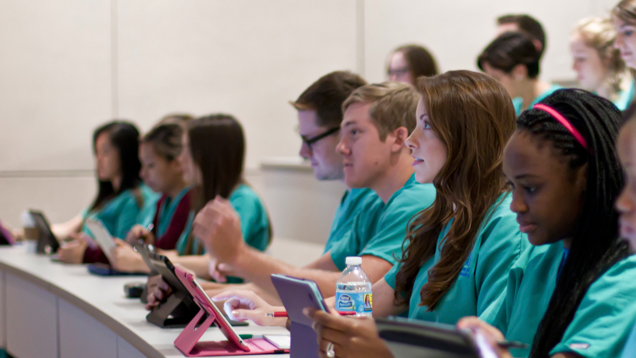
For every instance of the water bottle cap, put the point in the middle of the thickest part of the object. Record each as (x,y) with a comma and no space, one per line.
(354,260)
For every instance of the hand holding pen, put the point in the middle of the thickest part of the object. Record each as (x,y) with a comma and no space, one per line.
(140,234)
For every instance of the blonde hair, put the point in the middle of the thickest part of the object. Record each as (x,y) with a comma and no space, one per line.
(599,34)
(393,105)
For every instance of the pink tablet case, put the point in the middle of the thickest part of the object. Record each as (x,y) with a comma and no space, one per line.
(188,341)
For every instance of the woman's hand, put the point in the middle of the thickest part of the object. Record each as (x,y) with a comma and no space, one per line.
(486,333)
(126,259)
(140,232)
(158,291)
(347,337)
(72,252)
(246,305)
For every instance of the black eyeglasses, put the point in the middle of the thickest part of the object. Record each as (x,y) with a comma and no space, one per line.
(310,141)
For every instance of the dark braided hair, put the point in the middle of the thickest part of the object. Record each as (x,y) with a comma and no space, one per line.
(596,245)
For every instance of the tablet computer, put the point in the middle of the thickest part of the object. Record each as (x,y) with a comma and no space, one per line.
(407,338)
(5,236)
(103,238)
(206,304)
(47,242)
(179,308)
(297,294)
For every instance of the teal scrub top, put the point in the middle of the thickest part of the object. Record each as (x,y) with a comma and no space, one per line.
(498,245)
(149,207)
(530,284)
(119,215)
(380,229)
(517,102)
(625,97)
(603,320)
(167,210)
(254,221)
(630,346)
(352,202)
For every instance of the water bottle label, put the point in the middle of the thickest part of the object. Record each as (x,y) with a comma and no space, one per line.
(361,302)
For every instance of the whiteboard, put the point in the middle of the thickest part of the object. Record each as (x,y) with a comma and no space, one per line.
(68,66)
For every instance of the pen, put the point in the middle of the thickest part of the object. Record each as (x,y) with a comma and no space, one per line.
(141,239)
(284,314)
(250,336)
(512,344)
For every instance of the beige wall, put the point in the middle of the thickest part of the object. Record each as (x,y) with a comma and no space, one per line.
(68,65)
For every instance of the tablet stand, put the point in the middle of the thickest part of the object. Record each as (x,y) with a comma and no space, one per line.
(173,313)
(188,341)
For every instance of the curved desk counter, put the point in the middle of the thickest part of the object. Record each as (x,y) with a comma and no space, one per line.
(49,309)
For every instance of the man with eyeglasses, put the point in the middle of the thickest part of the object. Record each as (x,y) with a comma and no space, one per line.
(319,116)
(377,120)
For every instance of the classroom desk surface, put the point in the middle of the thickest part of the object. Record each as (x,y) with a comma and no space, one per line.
(85,304)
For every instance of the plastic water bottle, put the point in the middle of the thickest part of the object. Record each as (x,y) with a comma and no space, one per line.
(354,289)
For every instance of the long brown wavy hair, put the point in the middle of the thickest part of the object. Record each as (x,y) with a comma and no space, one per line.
(473,115)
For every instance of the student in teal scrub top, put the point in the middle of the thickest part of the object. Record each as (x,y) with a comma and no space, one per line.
(513,59)
(319,109)
(119,198)
(624,19)
(626,202)
(598,64)
(212,159)
(458,252)
(162,172)
(351,203)
(572,293)
(377,120)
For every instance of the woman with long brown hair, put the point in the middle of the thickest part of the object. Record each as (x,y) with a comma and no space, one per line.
(458,252)
(212,159)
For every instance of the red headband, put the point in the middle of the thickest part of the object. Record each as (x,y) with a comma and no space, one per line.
(579,138)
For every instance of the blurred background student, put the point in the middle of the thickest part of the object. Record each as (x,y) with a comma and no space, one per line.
(162,172)
(212,161)
(513,59)
(526,24)
(408,62)
(598,64)
(120,197)
(624,19)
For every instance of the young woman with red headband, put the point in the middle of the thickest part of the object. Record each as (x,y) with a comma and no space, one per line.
(572,293)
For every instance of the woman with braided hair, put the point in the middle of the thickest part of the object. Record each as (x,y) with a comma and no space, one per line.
(571,293)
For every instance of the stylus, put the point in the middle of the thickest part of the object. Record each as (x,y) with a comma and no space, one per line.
(284,314)
(512,344)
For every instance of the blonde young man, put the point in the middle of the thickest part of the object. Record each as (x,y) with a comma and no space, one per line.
(377,120)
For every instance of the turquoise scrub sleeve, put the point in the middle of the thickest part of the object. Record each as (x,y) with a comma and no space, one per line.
(149,207)
(119,215)
(380,230)
(254,219)
(605,316)
(352,202)
(630,346)
(502,245)
(127,218)
(390,276)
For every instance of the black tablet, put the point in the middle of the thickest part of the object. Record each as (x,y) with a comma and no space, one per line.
(47,239)
(409,338)
(179,308)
